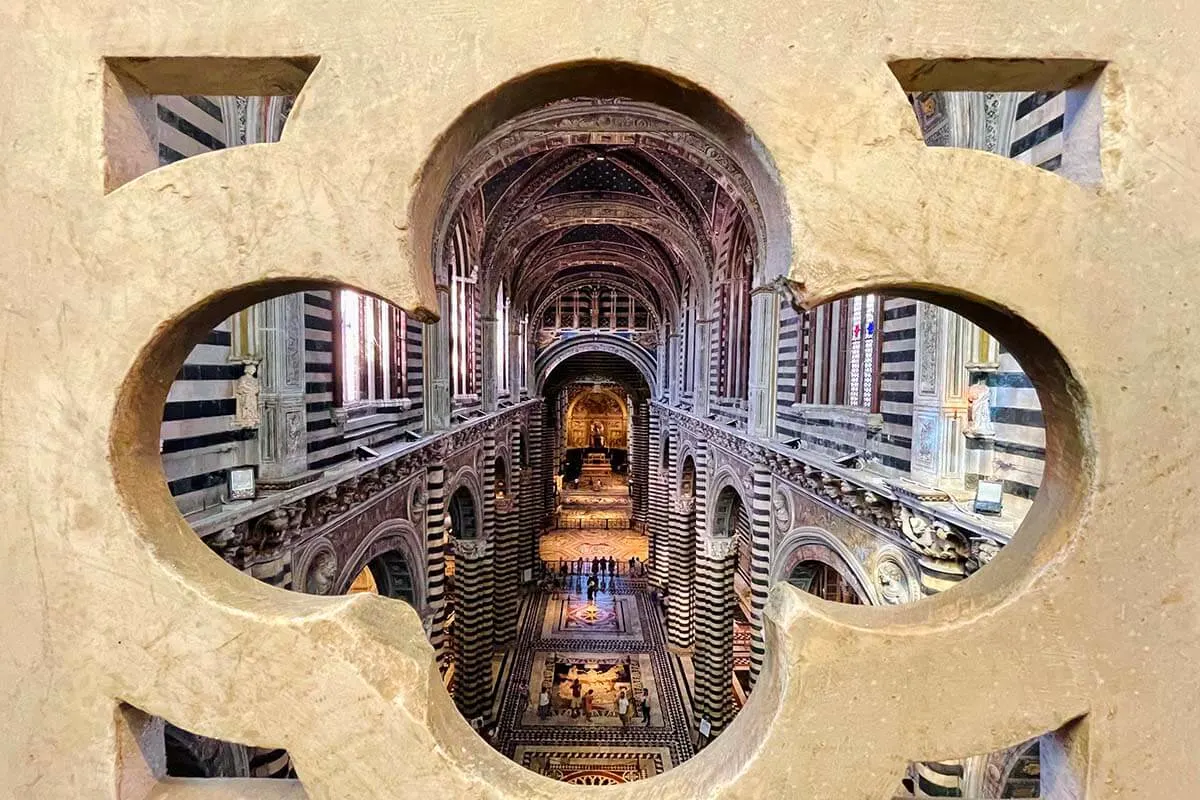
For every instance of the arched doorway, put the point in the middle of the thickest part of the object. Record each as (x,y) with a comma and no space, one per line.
(824,581)
(389,575)
(463,515)
(500,482)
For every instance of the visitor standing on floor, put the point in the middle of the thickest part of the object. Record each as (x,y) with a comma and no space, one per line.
(544,702)
(591,588)
(587,705)
(623,709)
(612,566)
(595,564)
(646,707)
(576,697)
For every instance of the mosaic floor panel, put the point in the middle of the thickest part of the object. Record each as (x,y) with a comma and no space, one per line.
(569,545)
(611,616)
(616,643)
(595,766)
(605,675)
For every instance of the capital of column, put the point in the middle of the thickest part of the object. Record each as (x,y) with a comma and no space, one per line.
(683,503)
(470,549)
(718,548)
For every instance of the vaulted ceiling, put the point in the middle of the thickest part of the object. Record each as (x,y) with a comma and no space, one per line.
(624,193)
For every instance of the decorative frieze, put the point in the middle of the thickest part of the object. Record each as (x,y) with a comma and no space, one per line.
(895,510)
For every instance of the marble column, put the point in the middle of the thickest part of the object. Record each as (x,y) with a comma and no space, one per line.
(760,564)
(506,574)
(713,658)
(656,527)
(532,506)
(435,555)
(670,481)
(682,559)
(515,343)
(435,344)
(550,439)
(473,624)
(764,362)
(487,362)
(664,379)
(638,465)
(702,390)
(674,372)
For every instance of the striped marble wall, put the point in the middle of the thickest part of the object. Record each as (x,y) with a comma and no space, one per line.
(1020,443)
(893,448)
(1038,129)
(198,440)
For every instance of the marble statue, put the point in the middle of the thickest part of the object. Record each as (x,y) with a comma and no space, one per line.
(979,413)
(247,414)
(321,574)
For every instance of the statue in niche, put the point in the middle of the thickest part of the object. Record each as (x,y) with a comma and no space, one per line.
(893,587)
(597,436)
(246,390)
(979,412)
(321,574)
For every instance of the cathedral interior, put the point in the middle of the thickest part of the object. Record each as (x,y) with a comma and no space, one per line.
(537,401)
(621,431)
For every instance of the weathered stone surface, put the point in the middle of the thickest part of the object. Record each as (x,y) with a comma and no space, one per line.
(109,597)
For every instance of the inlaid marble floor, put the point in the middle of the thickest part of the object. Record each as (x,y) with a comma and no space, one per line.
(614,644)
(569,545)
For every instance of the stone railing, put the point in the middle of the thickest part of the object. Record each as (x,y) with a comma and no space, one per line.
(925,520)
(247,531)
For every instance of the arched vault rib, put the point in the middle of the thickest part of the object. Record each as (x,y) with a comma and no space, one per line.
(557,354)
(605,279)
(502,256)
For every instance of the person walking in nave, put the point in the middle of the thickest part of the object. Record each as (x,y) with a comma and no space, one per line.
(544,702)
(623,709)
(576,697)
(646,707)
(588,704)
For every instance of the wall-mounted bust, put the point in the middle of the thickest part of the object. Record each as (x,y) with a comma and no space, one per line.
(322,572)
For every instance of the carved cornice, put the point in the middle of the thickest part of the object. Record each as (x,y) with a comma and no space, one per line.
(274,522)
(897,512)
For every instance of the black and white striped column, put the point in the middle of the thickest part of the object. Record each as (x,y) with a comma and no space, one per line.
(527,536)
(473,627)
(537,477)
(638,466)
(474,582)
(506,574)
(760,564)
(435,556)
(681,559)
(549,465)
(659,499)
(713,659)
